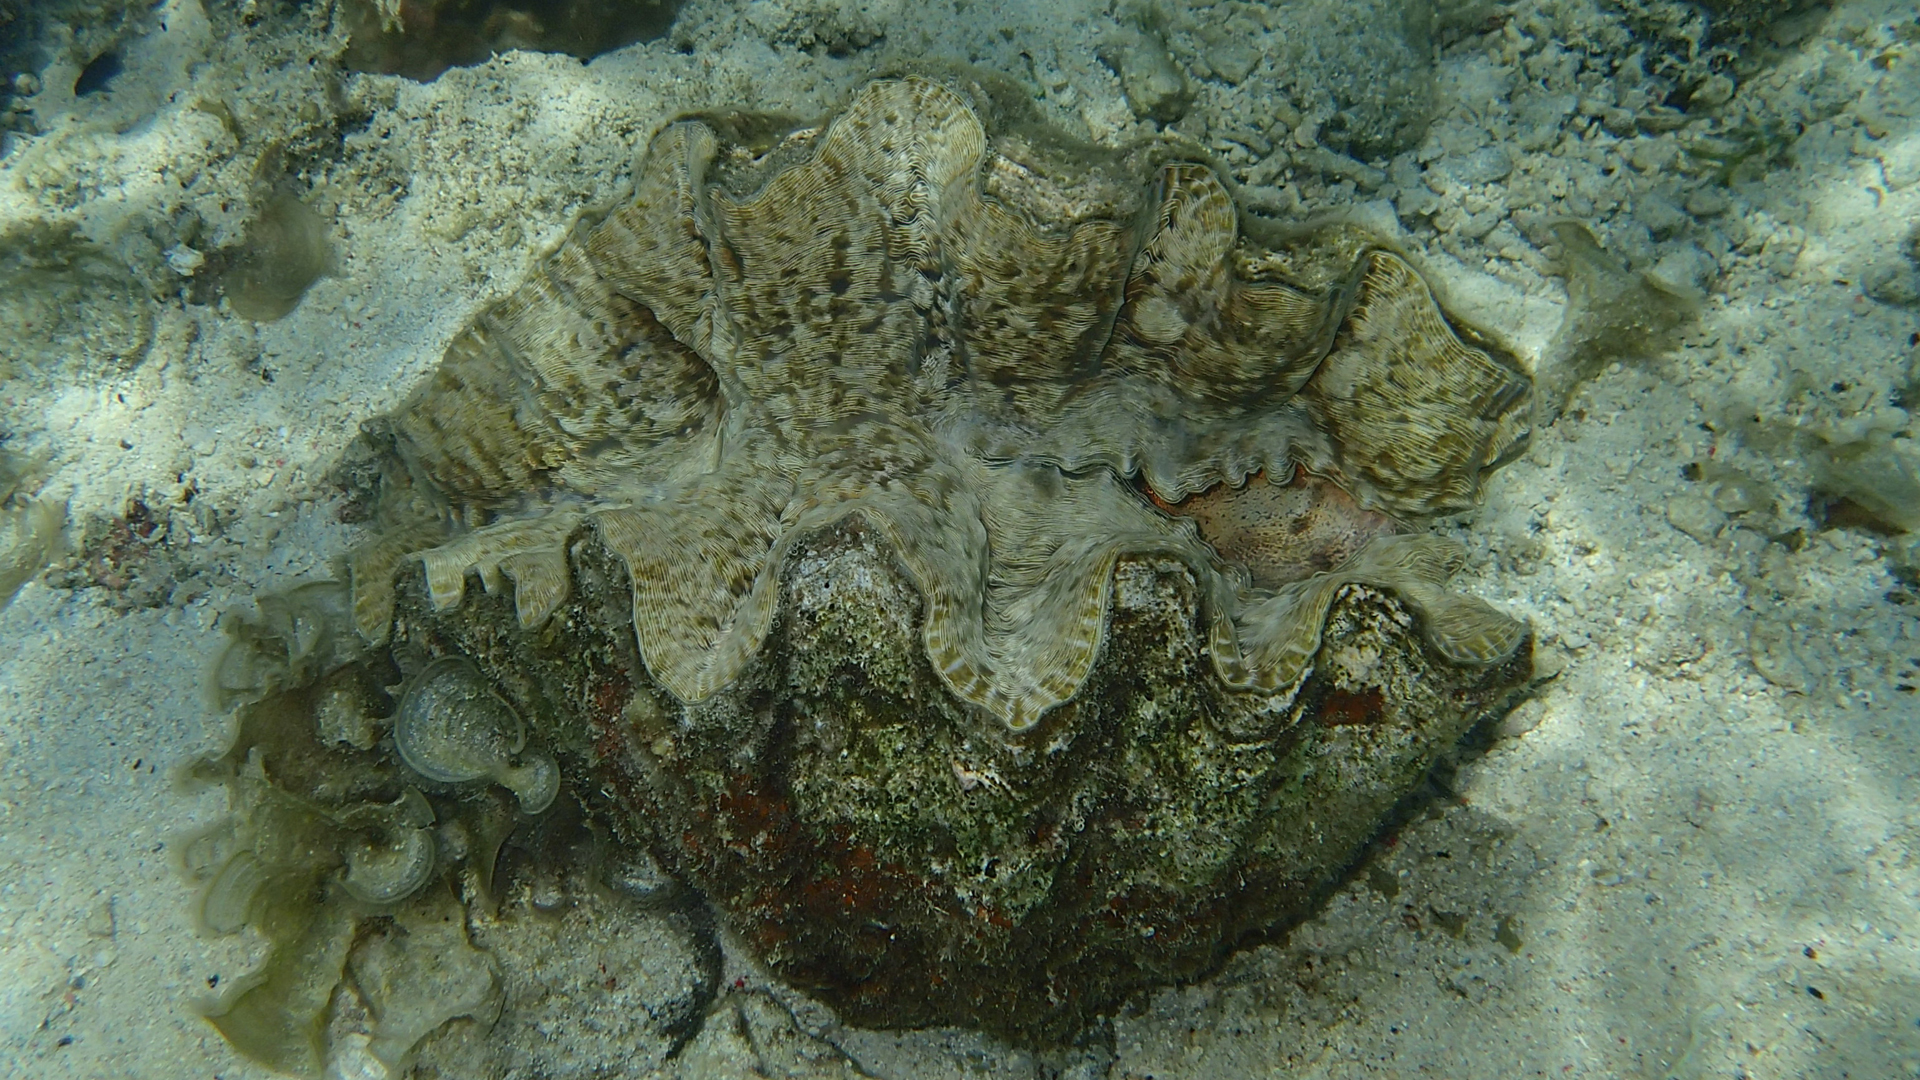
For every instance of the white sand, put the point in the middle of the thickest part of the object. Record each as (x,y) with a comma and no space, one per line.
(1693,855)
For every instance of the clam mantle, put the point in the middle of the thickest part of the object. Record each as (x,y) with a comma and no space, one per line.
(976,346)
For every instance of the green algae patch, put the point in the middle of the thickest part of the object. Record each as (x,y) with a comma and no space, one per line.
(419,973)
(284,252)
(1613,313)
(336,854)
(29,537)
(1880,475)
(276,1014)
(452,728)
(375,879)
(32,530)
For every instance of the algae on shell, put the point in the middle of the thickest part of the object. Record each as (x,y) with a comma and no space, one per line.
(912,863)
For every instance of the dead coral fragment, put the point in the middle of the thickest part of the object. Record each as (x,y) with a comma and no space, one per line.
(1156,87)
(419,974)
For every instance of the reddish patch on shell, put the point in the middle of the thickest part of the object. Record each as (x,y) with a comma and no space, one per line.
(607,697)
(1282,532)
(611,691)
(1344,707)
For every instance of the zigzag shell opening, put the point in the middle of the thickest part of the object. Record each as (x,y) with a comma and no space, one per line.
(896,318)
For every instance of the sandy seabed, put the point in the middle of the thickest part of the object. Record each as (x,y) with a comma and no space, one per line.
(1693,854)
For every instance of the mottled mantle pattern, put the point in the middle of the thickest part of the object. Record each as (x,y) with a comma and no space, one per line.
(821,494)
(973,344)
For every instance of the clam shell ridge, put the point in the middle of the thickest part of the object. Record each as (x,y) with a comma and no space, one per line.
(897,315)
